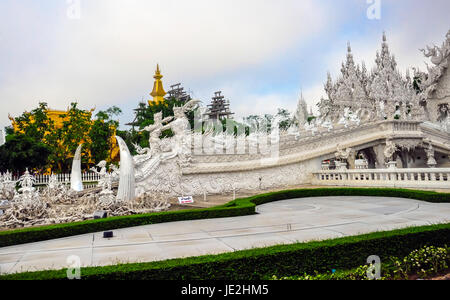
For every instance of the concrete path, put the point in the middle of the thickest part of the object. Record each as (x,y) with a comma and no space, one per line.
(283,222)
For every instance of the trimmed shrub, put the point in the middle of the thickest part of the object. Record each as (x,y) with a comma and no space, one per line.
(287,260)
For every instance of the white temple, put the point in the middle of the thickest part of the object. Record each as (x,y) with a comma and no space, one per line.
(376,128)
(372,120)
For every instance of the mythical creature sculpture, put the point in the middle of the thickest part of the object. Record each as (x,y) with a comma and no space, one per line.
(439,57)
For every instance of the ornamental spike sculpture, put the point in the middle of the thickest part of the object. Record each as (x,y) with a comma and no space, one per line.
(127,180)
(76,183)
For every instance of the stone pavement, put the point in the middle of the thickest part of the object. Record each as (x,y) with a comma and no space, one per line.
(283,222)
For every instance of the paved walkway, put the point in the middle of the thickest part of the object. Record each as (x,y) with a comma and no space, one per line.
(283,222)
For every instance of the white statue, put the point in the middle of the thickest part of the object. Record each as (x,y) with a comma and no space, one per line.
(102,174)
(431,162)
(181,128)
(155,131)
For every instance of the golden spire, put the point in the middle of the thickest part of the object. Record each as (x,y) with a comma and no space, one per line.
(158,92)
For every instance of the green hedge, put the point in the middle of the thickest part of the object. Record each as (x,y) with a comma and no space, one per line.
(287,260)
(239,207)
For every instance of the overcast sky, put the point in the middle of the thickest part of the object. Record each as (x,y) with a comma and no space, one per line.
(261,54)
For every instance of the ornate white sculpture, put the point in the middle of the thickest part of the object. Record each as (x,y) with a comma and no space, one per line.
(431,162)
(155,131)
(301,114)
(440,58)
(27,192)
(390,150)
(127,178)
(76,182)
(342,155)
(361,97)
(7,186)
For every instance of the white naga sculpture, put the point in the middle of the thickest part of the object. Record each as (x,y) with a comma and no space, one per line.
(76,182)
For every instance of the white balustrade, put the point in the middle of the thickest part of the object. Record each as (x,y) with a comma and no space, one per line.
(88,177)
(420,178)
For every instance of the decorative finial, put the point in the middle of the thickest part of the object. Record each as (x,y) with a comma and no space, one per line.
(158,92)
(384,37)
(349,47)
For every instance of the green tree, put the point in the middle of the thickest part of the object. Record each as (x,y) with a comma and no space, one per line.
(36,124)
(77,127)
(21,152)
(101,134)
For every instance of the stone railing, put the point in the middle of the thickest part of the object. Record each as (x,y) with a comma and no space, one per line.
(411,178)
(88,177)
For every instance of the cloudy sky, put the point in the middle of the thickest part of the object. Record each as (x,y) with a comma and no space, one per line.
(260,53)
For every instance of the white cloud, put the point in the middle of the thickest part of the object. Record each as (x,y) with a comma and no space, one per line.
(109,55)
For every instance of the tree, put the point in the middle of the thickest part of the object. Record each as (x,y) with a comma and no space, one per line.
(285,118)
(102,134)
(36,124)
(264,123)
(65,132)
(21,152)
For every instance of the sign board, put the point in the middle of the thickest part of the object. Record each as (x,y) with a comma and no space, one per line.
(186,200)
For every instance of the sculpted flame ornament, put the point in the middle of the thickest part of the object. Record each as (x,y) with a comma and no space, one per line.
(126,190)
(76,182)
